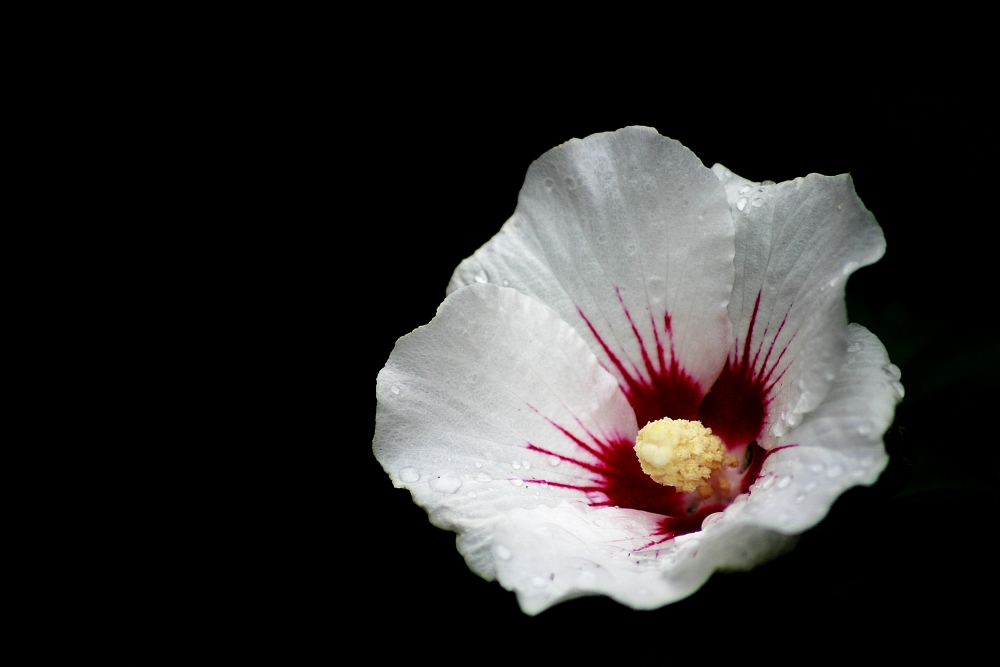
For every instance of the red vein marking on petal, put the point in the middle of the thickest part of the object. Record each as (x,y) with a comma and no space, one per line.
(666,389)
(617,479)
(736,406)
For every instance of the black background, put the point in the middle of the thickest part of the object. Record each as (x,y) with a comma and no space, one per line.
(325,205)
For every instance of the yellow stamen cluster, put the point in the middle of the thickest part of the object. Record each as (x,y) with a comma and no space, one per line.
(680,453)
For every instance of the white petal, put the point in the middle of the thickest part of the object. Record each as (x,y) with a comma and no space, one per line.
(460,400)
(836,446)
(796,244)
(549,555)
(621,225)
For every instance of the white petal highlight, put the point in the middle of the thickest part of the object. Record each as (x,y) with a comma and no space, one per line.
(460,400)
(837,446)
(796,244)
(626,221)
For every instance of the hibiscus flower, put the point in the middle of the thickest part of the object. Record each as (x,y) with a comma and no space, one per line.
(634,288)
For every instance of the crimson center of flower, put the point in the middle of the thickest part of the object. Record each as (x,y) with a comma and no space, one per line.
(733,410)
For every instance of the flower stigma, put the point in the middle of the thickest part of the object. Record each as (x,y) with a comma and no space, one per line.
(683,454)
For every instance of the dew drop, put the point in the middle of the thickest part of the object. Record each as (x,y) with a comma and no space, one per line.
(506,283)
(784,481)
(409,475)
(865,429)
(395,389)
(538,582)
(570,183)
(817,467)
(554,461)
(834,471)
(784,518)
(855,347)
(741,204)
(549,183)
(768,483)
(757,202)
(515,481)
(503,553)
(898,386)
(481,277)
(810,486)
(745,189)
(515,465)
(478,464)
(483,477)
(794,418)
(473,494)
(527,466)
(800,498)
(892,370)
(767,182)
(445,481)
(851,360)
(598,523)
(858,474)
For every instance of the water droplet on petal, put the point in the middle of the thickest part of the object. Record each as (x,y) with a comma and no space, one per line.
(598,523)
(481,277)
(834,471)
(538,582)
(549,183)
(784,518)
(817,467)
(855,347)
(409,475)
(757,202)
(784,481)
(473,494)
(851,360)
(865,429)
(794,418)
(395,389)
(858,474)
(515,465)
(810,486)
(570,183)
(526,465)
(502,552)
(892,370)
(745,189)
(767,182)
(768,483)
(445,481)
(898,386)
(506,283)
(478,464)
(800,498)
(515,481)
(483,477)
(554,461)
(741,204)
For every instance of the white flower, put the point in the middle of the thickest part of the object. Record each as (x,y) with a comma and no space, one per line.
(632,283)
